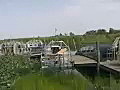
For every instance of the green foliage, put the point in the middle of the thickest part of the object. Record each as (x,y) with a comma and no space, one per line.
(108,83)
(113,31)
(101,31)
(52,81)
(92,32)
(22,71)
(71,34)
(12,67)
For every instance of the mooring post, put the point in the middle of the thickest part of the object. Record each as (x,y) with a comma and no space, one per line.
(98,57)
(59,61)
(63,60)
(40,58)
(74,44)
(119,51)
(114,55)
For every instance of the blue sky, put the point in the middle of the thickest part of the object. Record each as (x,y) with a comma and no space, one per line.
(26,18)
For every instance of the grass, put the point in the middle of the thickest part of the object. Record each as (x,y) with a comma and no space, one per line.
(53,81)
(108,83)
(28,76)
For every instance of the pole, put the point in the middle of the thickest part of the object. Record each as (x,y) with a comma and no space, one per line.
(98,57)
(55,31)
(74,44)
(119,51)
(114,53)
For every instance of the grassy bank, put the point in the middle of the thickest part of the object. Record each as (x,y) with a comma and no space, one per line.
(20,73)
(52,81)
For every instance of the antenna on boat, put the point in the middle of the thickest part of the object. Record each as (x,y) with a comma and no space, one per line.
(55,31)
(56,34)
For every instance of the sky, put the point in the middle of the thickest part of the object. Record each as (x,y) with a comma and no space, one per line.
(28,18)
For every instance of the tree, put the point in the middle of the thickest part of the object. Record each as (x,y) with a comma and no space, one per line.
(65,34)
(92,32)
(113,31)
(71,34)
(101,31)
(60,34)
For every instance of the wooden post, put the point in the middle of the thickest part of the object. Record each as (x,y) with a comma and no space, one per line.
(63,60)
(75,45)
(114,50)
(107,54)
(40,58)
(119,51)
(59,61)
(98,57)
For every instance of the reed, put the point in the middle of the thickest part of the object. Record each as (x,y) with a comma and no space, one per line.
(52,81)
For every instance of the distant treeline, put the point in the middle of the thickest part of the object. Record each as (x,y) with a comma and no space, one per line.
(93,32)
(102,31)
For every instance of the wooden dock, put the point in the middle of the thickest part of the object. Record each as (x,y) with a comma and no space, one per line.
(81,60)
(111,66)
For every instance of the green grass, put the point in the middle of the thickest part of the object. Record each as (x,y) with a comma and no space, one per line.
(58,81)
(107,83)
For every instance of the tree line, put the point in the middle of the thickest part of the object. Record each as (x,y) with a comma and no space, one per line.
(93,32)
(102,31)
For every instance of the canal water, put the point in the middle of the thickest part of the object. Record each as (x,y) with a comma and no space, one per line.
(104,80)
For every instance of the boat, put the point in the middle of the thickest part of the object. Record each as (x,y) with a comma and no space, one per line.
(35,48)
(57,53)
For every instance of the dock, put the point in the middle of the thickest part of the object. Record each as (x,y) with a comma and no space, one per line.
(111,66)
(83,61)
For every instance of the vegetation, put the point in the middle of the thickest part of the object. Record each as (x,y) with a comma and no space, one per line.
(20,73)
(107,83)
(52,81)
(13,67)
(24,74)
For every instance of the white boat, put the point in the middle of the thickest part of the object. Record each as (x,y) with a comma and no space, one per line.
(57,53)
(35,47)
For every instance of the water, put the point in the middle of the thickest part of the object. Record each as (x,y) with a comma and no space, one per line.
(105,80)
